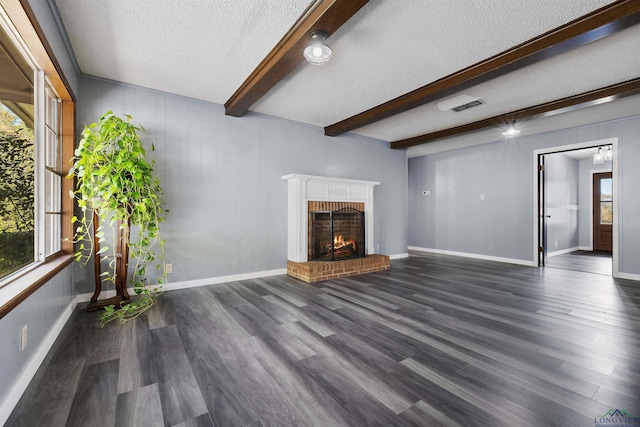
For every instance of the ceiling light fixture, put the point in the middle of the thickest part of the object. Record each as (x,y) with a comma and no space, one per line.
(511,132)
(598,157)
(608,155)
(318,52)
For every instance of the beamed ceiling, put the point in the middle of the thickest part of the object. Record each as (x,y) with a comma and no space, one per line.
(393,61)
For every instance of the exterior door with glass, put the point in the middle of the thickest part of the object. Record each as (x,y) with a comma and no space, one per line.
(602,211)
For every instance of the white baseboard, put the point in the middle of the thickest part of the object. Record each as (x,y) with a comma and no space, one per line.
(172,286)
(475,256)
(585,248)
(399,256)
(103,295)
(224,279)
(30,369)
(563,251)
(628,276)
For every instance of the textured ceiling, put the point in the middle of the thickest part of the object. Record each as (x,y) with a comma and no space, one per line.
(206,48)
(197,48)
(624,107)
(575,72)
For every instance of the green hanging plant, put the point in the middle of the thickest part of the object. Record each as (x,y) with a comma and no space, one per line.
(115,180)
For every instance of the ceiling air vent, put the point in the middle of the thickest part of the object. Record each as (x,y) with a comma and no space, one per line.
(467,105)
(459,103)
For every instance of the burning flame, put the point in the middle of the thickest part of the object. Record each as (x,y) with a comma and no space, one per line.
(339,242)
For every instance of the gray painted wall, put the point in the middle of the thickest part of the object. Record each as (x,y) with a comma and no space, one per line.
(454,218)
(586,168)
(562,202)
(40,312)
(222,178)
(47,20)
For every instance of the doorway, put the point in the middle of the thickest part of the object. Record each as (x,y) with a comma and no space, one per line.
(603,211)
(575,204)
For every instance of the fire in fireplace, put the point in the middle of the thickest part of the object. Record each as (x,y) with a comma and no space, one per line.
(336,235)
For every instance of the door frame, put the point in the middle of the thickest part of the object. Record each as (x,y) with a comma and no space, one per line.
(542,212)
(616,192)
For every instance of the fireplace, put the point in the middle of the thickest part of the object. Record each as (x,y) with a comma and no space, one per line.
(336,235)
(313,202)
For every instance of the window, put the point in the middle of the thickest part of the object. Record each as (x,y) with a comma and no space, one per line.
(16,193)
(53,174)
(17,159)
(606,201)
(31,160)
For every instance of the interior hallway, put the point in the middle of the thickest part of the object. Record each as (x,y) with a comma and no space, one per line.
(598,262)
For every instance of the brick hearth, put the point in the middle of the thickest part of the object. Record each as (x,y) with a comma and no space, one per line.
(315,271)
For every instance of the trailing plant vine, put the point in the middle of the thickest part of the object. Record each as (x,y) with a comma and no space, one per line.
(115,180)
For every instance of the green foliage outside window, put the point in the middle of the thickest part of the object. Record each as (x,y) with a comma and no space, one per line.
(16,193)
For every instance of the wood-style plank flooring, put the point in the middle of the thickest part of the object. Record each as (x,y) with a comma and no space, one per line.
(589,262)
(435,341)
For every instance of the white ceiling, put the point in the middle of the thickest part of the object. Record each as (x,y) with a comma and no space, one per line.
(583,154)
(206,48)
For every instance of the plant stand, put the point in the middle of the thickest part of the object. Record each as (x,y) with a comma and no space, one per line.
(122,258)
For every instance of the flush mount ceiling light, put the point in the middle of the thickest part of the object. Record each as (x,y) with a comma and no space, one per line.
(318,52)
(511,132)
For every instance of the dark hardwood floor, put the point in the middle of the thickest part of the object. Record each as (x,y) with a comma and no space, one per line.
(435,341)
(596,262)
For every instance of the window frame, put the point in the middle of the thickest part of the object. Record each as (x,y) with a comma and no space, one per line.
(51,100)
(24,26)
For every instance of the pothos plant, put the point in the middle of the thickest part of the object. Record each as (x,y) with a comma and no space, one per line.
(115,180)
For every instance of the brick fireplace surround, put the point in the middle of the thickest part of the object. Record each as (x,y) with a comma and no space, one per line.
(315,271)
(304,191)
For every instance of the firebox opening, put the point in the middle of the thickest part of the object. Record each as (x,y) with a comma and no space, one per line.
(336,235)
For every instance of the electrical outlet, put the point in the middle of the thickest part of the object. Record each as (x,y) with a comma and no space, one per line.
(426,193)
(168,268)
(482,197)
(23,337)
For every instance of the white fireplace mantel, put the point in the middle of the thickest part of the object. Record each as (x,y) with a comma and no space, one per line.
(305,188)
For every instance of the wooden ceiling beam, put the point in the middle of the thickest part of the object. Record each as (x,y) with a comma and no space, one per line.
(326,15)
(586,99)
(586,29)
